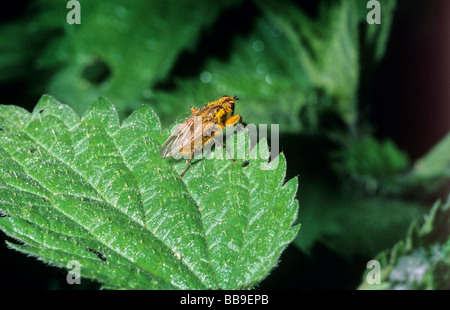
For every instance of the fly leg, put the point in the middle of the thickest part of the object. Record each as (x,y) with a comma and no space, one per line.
(235,119)
(221,145)
(187,164)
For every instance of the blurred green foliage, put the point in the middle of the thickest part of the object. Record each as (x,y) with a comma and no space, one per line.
(297,64)
(74,187)
(422,259)
(372,163)
(123,51)
(433,169)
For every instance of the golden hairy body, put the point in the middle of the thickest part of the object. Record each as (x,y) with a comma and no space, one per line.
(200,128)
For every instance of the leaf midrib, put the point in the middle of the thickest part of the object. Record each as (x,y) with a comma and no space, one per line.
(223,171)
(71,219)
(145,214)
(100,195)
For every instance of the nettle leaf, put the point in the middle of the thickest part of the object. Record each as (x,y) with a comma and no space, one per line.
(326,47)
(422,259)
(377,165)
(349,223)
(95,190)
(434,168)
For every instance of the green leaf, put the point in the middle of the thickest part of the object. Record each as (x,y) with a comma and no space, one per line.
(326,47)
(378,166)
(96,191)
(350,223)
(422,260)
(381,167)
(434,167)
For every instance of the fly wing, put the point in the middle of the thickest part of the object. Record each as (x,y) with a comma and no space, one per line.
(167,148)
(185,134)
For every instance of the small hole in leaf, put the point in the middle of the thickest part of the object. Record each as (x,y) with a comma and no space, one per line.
(3,214)
(96,72)
(40,111)
(32,151)
(245,163)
